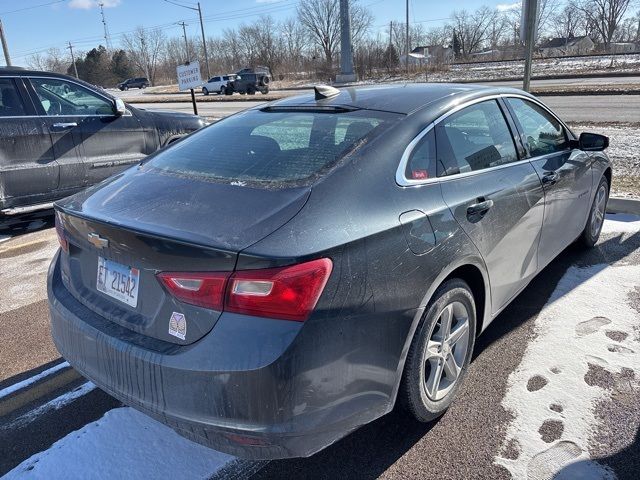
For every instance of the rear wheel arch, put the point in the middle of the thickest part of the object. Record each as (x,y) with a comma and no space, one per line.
(608,175)
(474,277)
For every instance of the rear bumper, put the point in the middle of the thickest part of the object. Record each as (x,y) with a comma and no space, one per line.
(251,387)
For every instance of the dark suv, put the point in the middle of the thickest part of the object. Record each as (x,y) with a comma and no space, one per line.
(59,135)
(133,83)
(250,81)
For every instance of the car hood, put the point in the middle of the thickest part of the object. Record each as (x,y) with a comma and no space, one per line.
(225,216)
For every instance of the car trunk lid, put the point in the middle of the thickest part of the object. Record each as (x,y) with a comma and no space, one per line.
(194,227)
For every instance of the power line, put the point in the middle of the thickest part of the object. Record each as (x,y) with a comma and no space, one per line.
(33,6)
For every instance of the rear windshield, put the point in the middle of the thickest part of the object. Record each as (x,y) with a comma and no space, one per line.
(274,148)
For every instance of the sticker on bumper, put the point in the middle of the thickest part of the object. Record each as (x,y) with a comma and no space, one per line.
(178,325)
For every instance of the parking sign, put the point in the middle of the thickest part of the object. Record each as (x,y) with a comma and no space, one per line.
(189,76)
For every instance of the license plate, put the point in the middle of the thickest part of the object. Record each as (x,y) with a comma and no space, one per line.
(118,281)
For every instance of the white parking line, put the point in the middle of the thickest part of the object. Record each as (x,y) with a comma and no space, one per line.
(55,404)
(123,444)
(31,380)
(552,402)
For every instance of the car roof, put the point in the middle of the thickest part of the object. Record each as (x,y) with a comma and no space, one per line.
(399,98)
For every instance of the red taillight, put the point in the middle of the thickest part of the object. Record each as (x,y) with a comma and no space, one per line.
(64,243)
(289,293)
(202,289)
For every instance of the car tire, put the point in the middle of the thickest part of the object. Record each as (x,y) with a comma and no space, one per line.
(592,229)
(126,87)
(439,354)
(251,90)
(205,91)
(265,90)
(223,91)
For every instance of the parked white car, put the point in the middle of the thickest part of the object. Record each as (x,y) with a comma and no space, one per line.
(217,84)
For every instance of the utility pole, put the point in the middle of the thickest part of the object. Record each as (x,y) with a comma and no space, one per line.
(5,47)
(391,33)
(107,37)
(346,57)
(73,60)
(204,42)
(407,39)
(530,23)
(204,38)
(186,42)
(145,57)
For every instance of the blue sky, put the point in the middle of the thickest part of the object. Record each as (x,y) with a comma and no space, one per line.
(35,25)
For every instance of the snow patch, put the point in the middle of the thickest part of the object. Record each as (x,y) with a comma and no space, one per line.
(621,223)
(570,335)
(124,443)
(31,380)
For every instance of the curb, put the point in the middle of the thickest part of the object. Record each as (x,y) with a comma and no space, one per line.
(31,393)
(623,205)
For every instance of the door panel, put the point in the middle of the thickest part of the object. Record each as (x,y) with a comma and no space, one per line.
(27,164)
(565,174)
(110,144)
(496,198)
(507,234)
(90,142)
(567,183)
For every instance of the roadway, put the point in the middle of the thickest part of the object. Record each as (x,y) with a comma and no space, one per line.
(571,108)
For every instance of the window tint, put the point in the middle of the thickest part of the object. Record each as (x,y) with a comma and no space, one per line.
(474,138)
(271,147)
(10,101)
(543,133)
(216,79)
(422,162)
(61,97)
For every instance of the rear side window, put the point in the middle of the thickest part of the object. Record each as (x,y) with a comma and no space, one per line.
(543,132)
(272,147)
(422,162)
(475,138)
(10,101)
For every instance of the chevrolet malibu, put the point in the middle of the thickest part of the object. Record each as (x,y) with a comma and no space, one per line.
(290,273)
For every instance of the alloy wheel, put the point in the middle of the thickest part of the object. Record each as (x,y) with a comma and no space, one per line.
(599,207)
(446,350)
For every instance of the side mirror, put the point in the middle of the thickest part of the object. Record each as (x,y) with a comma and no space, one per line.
(592,142)
(119,108)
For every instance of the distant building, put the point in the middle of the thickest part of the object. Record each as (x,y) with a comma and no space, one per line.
(558,47)
(430,54)
(619,47)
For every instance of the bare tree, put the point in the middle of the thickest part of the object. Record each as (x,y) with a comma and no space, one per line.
(605,16)
(568,21)
(321,20)
(145,48)
(294,43)
(472,29)
(52,61)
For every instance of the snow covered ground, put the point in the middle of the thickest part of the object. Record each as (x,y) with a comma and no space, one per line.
(587,328)
(123,444)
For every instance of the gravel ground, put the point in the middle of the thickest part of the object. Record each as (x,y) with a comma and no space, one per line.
(624,151)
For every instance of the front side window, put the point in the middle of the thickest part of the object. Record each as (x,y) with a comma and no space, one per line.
(275,148)
(61,97)
(475,138)
(10,101)
(543,132)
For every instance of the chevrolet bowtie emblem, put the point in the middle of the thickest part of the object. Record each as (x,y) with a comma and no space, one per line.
(97,240)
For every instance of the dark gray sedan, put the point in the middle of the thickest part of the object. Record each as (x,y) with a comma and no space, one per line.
(290,273)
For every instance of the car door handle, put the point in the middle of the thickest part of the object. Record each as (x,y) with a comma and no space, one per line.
(549,178)
(479,208)
(64,125)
